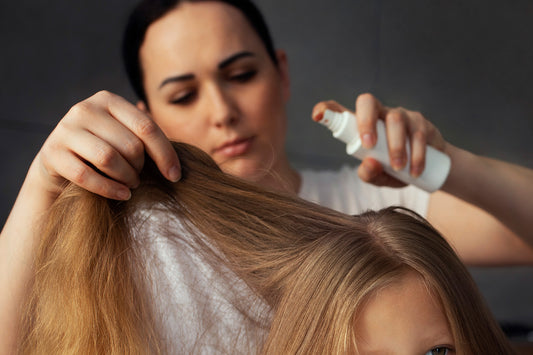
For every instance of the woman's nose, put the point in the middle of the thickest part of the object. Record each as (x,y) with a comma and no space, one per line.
(223,108)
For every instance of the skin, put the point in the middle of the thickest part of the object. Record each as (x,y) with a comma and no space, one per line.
(404,318)
(113,135)
(472,191)
(225,96)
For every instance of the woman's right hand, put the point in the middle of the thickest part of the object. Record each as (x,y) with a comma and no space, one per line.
(110,134)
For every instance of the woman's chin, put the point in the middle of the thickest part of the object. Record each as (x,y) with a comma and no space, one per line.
(245,169)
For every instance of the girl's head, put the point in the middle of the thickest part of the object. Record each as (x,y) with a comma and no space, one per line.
(208,74)
(390,284)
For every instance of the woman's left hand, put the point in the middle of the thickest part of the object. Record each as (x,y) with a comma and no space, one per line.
(402,126)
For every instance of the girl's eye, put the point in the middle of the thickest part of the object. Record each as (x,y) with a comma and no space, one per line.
(441,350)
(244,76)
(184,99)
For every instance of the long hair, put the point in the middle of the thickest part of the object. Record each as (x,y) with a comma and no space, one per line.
(312,266)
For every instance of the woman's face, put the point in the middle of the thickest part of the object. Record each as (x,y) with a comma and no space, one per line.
(404,319)
(209,82)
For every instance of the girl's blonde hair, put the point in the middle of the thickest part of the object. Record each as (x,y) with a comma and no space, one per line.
(313,266)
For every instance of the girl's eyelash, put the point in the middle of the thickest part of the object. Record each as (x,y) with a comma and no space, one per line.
(440,350)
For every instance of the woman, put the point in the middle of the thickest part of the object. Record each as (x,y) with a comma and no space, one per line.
(299,278)
(210,80)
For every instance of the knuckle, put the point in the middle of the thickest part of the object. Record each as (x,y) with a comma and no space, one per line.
(418,117)
(146,127)
(134,148)
(417,121)
(395,116)
(80,175)
(403,110)
(52,142)
(364,173)
(103,94)
(396,150)
(103,98)
(420,135)
(105,156)
(80,110)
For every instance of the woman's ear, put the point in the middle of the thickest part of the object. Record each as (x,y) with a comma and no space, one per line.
(141,105)
(283,69)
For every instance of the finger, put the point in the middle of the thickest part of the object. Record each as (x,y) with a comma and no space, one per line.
(127,144)
(396,138)
(368,110)
(371,171)
(92,115)
(72,168)
(155,142)
(103,157)
(321,107)
(418,142)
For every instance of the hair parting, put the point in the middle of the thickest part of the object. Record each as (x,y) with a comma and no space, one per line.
(313,267)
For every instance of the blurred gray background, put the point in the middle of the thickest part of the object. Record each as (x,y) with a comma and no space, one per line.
(466,65)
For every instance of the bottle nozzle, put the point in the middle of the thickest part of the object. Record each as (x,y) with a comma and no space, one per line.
(342,124)
(332,120)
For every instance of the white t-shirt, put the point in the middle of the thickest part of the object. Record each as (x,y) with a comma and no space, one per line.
(344,191)
(202,309)
(205,311)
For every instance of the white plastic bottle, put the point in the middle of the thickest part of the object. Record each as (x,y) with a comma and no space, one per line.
(344,127)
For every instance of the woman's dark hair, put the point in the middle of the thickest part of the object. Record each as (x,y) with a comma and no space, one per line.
(149,11)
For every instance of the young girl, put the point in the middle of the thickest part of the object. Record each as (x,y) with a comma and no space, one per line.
(212,264)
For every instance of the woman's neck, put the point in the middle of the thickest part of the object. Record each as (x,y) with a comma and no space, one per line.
(283,177)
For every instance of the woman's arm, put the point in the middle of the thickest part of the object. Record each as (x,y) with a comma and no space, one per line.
(105,134)
(17,246)
(484,208)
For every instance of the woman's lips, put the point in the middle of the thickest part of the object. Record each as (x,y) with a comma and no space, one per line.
(235,148)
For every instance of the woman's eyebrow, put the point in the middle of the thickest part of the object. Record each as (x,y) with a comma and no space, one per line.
(221,65)
(233,58)
(176,78)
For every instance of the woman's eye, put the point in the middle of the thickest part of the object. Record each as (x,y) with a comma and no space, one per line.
(244,76)
(441,350)
(184,99)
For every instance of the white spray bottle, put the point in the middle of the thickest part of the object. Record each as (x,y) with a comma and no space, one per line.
(344,127)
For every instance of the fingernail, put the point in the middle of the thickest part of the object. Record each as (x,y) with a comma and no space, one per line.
(416,171)
(368,140)
(318,117)
(124,194)
(397,164)
(174,173)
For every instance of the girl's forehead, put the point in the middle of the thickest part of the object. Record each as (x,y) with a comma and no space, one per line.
(404,314)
